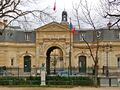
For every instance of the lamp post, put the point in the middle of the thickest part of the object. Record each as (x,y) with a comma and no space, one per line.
(109,25)
(70,68)
(107,49)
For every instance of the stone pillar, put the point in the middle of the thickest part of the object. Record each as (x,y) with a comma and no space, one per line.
(37,56)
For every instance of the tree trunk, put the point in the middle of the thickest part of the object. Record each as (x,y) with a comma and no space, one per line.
(95,75)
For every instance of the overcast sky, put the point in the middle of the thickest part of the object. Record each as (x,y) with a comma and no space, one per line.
(60,6)
(65,4)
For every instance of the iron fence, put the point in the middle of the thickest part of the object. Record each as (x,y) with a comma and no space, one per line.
(19,72)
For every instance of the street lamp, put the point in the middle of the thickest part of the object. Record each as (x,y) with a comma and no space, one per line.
(107,50)
(109,25)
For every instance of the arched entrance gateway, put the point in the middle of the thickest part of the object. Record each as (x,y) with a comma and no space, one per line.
(54,60)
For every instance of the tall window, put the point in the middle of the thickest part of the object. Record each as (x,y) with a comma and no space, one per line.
(27,63)
(12,61)
(118,62)
(82,64)
(27,36)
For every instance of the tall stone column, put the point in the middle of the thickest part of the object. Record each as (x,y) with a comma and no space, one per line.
(37,56)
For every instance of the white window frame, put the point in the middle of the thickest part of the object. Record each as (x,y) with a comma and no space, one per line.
(119,35)
(99,34)
(81,36)
(27,36)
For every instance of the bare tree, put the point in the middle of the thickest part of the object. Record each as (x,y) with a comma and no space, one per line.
(12,10)
(111,10)
(88,19)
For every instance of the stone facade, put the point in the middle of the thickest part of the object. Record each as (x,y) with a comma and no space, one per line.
(50,44)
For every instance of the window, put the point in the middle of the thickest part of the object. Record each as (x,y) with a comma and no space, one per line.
(98,33)
(82,37)
(12,61)
(10,34)
(119,35)
(82,64)
(118,62)
(27,63)
(27,36)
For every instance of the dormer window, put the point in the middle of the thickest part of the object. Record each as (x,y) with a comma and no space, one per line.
(119,35)
(27,36)
(82,36)
(98,34)
(10,34)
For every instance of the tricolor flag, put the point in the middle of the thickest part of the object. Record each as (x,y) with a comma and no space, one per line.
(72,28)
(54,8)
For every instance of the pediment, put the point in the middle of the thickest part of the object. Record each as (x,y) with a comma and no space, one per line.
(53,26)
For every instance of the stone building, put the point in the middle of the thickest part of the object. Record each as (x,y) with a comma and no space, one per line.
(50,44)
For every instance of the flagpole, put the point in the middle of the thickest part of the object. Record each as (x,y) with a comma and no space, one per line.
(70,68)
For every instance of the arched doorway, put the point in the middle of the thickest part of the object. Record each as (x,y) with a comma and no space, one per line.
(54,60)
(82,64)
(27,63)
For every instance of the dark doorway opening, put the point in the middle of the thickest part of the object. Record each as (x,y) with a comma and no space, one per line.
(27,64)
(54,60)
(82,64)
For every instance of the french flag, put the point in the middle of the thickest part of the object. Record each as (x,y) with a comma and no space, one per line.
(54,8)
(73,29)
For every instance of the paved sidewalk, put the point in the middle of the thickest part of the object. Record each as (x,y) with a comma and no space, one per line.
(47,88)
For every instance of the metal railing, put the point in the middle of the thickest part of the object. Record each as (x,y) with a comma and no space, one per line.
(19,72)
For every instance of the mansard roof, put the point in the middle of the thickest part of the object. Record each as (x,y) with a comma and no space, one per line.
(104,34)
(14,35)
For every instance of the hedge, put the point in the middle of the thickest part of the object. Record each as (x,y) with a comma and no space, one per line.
(50,80)
(57,80)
